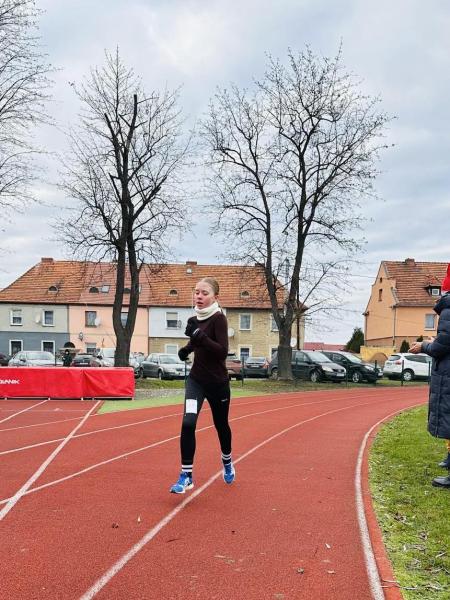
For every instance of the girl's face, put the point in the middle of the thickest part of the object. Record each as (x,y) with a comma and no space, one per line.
(204,295)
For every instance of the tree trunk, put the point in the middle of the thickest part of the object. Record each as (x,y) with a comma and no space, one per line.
(285,354)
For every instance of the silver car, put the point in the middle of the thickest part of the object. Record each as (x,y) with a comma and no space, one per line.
(164,366)
(34,358)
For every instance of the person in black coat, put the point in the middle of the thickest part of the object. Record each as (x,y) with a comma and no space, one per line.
(439,402)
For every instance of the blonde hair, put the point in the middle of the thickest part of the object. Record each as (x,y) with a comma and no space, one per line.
(213,283)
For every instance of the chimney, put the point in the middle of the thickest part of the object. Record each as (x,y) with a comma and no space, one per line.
(410,262)
(189,265)
(46,260)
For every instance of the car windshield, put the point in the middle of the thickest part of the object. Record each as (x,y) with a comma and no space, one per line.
(170,359)
(255,359)
(317,356)
(394,357)
(352,358)
(40,356)
(107,352)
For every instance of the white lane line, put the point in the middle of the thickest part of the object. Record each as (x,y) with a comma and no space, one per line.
(18,495)
(369,557)
(118,566)
(136,423)
(155,444)
(22,411)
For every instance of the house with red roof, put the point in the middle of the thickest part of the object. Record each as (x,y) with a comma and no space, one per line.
(401,302)
(56,302)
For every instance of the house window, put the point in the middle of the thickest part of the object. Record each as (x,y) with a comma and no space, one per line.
(91,348)
(123,318)
(171,349)
(245,322)
(48,318)
(273,350)
(273,325)
(48,346)
(105,289)
(380,295)
(16,317)
(172,320)
(430,320)
(93,290)
(89,318)
(15,346)
(244,353)
(53,288)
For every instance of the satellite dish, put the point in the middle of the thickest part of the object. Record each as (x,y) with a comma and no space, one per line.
(293,342)
(230,332)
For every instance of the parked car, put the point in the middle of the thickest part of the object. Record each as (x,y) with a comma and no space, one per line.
(311,365)
(256,366)
(357,369)
(106,356)
(164,366)
(413,366)
(34,358)
(234,366)
(86,360)
(4,359)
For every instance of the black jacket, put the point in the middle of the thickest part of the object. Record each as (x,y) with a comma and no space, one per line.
(439,350)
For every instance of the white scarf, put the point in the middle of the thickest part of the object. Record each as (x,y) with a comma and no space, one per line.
(204,313)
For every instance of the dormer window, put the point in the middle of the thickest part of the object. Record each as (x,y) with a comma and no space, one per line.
(105,289)
(173,292)
(434,290)
(53,288)
(126,291)
(245,294)
(93,290)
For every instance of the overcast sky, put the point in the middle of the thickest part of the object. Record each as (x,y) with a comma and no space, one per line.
(400,49)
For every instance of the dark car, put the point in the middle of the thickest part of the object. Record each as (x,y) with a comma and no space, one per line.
(85,360)
(357,369)
(310,365)
(256,366)
(4,359)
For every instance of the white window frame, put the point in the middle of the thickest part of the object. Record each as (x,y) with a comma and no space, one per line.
(435,291)
(44,324)
(11,317)
(246,346)
(176,320)
(91,347)
(273,325)
(240,322)
(427,328)
(86,324)
(52,342)
(167,346)
(15,341)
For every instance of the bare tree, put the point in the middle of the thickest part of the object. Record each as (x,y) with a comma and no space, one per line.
(291,161)
(23,92)
(122,173)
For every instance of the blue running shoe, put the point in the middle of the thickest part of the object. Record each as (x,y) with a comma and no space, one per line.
(229,473)
(184,483)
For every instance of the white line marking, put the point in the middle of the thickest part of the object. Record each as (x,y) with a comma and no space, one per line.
(369,557)
(159,443)
(118,566)
(17,496)
(22,411)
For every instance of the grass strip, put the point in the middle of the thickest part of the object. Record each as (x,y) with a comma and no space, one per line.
(413,515)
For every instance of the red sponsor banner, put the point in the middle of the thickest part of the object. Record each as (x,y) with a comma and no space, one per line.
(66,382)
(108,382)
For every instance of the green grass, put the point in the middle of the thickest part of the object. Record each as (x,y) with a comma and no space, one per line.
(153,392)
(413,515)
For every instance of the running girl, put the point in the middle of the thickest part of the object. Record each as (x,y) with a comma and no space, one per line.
(208,333)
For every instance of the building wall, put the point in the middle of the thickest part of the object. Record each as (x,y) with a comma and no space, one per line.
(32,332)
(409,325)
(379,322)
(103,335)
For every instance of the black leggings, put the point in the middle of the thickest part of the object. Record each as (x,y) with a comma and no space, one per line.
(218,396)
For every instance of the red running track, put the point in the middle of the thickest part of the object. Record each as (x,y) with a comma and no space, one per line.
(101,523)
